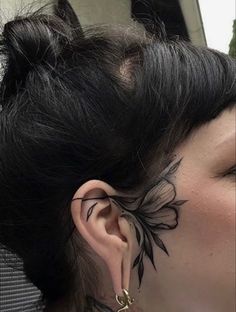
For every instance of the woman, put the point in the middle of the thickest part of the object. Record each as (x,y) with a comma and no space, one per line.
(117,168)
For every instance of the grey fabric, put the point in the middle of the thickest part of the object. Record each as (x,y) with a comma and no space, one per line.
(16,293)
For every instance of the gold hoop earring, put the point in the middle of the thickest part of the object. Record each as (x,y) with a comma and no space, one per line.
(125,301)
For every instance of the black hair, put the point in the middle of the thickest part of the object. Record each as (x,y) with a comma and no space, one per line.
(93,105)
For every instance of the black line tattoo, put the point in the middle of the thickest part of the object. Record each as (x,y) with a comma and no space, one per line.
(90,211)
(155,210)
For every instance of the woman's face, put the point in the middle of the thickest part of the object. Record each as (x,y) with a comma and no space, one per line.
(199,274)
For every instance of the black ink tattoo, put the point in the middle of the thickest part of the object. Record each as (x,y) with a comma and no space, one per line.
(155,210)
(90,211)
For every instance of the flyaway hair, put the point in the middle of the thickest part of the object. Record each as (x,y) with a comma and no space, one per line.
(64,10)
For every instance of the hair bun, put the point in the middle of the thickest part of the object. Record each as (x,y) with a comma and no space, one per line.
(28,42)
(32,41)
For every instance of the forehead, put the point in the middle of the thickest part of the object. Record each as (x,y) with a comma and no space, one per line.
(220,130)
(215,136)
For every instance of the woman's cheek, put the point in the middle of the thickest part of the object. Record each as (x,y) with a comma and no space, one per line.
(207,219)
(210,214)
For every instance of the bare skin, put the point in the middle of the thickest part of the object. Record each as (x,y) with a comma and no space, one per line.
(198,274)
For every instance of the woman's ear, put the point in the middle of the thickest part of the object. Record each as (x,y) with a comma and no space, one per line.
(110,235)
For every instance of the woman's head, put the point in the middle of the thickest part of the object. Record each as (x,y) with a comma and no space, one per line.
(122,118)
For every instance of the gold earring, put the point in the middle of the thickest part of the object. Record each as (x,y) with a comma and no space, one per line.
(125,301)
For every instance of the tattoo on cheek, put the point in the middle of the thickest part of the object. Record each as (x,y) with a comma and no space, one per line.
(156,209)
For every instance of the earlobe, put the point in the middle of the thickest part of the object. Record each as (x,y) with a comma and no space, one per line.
(98,220)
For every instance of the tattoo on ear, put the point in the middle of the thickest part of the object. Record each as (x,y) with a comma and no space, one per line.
(155,210)
(90,211)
